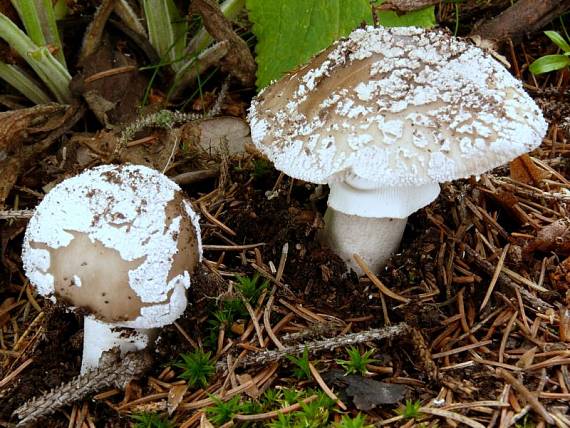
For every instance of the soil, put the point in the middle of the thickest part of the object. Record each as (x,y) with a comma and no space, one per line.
(314,276)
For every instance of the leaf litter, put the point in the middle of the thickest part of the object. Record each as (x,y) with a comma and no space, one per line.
(480,336)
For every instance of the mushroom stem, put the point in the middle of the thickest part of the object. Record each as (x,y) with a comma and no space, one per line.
(99,337)
(373,239)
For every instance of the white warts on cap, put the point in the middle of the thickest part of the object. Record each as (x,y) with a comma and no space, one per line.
(130,214)
(398,107)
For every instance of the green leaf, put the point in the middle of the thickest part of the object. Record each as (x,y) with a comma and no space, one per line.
(290,32)
(47,67)
(424,18)
(558,40)
(549,63)
(166,30)
(38,17)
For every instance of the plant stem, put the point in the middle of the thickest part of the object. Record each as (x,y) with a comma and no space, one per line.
(230,9)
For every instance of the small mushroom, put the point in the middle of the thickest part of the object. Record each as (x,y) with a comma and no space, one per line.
(118,244)
(383,117)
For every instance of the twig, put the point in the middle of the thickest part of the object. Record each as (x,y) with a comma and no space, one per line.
(495,277)
(523,17)
(15,373)
(530,397)
(16,214)
(503,279)
(113,371)
(320,345)
(239,60)
(407,5)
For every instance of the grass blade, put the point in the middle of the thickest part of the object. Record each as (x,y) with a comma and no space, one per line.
(38,17)
(23,83)
(166,30)
(48,68)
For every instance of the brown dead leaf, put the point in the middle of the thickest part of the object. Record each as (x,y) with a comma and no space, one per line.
(527,358)
(111,85)
(524,170)
(133,391)
(509,202)
(252,391)
(10,171)
(175,396)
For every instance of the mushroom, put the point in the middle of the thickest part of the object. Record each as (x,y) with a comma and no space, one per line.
(118,244)
(385,115)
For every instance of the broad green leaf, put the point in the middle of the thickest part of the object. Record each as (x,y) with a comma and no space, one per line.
(290,32)
(549,63)
(558,40)
(424,18)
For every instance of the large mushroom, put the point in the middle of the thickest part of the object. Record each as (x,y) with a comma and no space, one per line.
(383,117)
(118,244)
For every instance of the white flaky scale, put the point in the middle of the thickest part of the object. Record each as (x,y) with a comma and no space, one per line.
(442,109)
(118,244)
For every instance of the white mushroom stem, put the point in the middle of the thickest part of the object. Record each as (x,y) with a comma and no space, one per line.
(373,239)
(99,337)
(369,220)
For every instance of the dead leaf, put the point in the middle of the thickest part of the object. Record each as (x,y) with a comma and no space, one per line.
(237,327)
(175,396)
(252,391)
(366,393)
(10,170)
(524,170)
(111,85)
(527,358)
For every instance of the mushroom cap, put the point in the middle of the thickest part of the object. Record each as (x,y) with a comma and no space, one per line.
(395,107)
(116,242)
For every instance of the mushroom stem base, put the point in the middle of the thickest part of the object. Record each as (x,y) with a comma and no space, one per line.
(373,239)
(99,337)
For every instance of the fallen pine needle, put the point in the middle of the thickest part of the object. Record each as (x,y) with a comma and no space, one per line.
(325,387)
(377,281)
(529,396)
(451,415)
(275,413)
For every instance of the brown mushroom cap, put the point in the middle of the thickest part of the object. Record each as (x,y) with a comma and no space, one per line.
(395,107)
(117,242)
